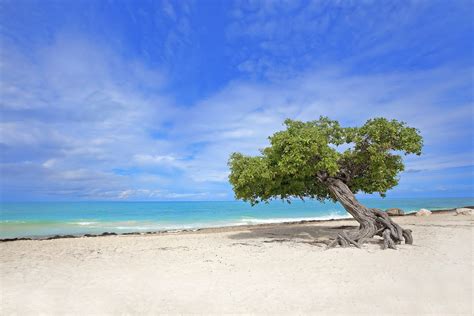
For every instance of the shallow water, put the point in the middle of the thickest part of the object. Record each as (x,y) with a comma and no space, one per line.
(34,219)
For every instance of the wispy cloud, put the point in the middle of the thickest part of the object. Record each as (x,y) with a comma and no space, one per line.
(108,122)
(158,160)
(366,36)
(89,119)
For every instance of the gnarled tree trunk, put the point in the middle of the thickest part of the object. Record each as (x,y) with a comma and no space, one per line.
(372,221)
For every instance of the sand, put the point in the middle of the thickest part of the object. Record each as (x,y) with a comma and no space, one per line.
(264,269)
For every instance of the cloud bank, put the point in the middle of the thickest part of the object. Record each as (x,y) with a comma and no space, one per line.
(82,121)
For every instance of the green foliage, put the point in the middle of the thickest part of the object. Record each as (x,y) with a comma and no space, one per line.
(301,158)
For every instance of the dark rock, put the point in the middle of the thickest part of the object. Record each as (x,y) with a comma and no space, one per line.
(107,234)
(395,212)
(60,237)
(14,239)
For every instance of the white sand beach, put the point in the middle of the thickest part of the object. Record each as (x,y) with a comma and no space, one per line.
(264,269)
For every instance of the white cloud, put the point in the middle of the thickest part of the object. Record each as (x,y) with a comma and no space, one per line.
(161,160)
(78,122)
(147,194)
(245,114)
(432,162)
(49,163)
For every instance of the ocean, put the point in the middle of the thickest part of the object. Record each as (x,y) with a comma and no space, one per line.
(40,219)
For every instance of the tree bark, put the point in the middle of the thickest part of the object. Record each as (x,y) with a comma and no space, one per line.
(372,221)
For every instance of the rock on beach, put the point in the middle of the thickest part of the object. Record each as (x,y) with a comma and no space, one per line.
(463,211)
(395,212)
(423,212)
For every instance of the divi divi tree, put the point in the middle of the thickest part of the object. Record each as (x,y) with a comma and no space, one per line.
(322,160)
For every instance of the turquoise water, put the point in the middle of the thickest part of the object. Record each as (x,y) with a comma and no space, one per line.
(51,218)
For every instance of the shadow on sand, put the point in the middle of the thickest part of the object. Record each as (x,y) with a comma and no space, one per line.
(312,234)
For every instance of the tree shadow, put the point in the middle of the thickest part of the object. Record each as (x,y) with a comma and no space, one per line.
(296,233)
(292,232)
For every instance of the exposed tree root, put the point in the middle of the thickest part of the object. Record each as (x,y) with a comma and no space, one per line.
(373,222)
(380,224)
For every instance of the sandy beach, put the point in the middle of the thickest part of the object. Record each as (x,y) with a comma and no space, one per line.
(265,269)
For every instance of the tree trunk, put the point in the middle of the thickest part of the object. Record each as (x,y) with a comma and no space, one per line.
(372,221)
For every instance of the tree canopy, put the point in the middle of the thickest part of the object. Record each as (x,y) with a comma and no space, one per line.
(305,154)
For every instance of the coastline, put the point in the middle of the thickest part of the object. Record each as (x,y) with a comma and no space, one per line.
(257,269)
(204,229)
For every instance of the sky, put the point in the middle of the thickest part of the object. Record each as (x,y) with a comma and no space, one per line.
(146,100)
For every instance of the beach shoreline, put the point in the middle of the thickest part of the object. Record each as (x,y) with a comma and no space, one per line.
(258,269)
(206,229)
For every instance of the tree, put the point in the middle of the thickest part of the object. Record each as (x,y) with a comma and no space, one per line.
(322,160)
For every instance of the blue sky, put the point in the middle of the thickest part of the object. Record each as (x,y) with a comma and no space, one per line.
(145,100)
